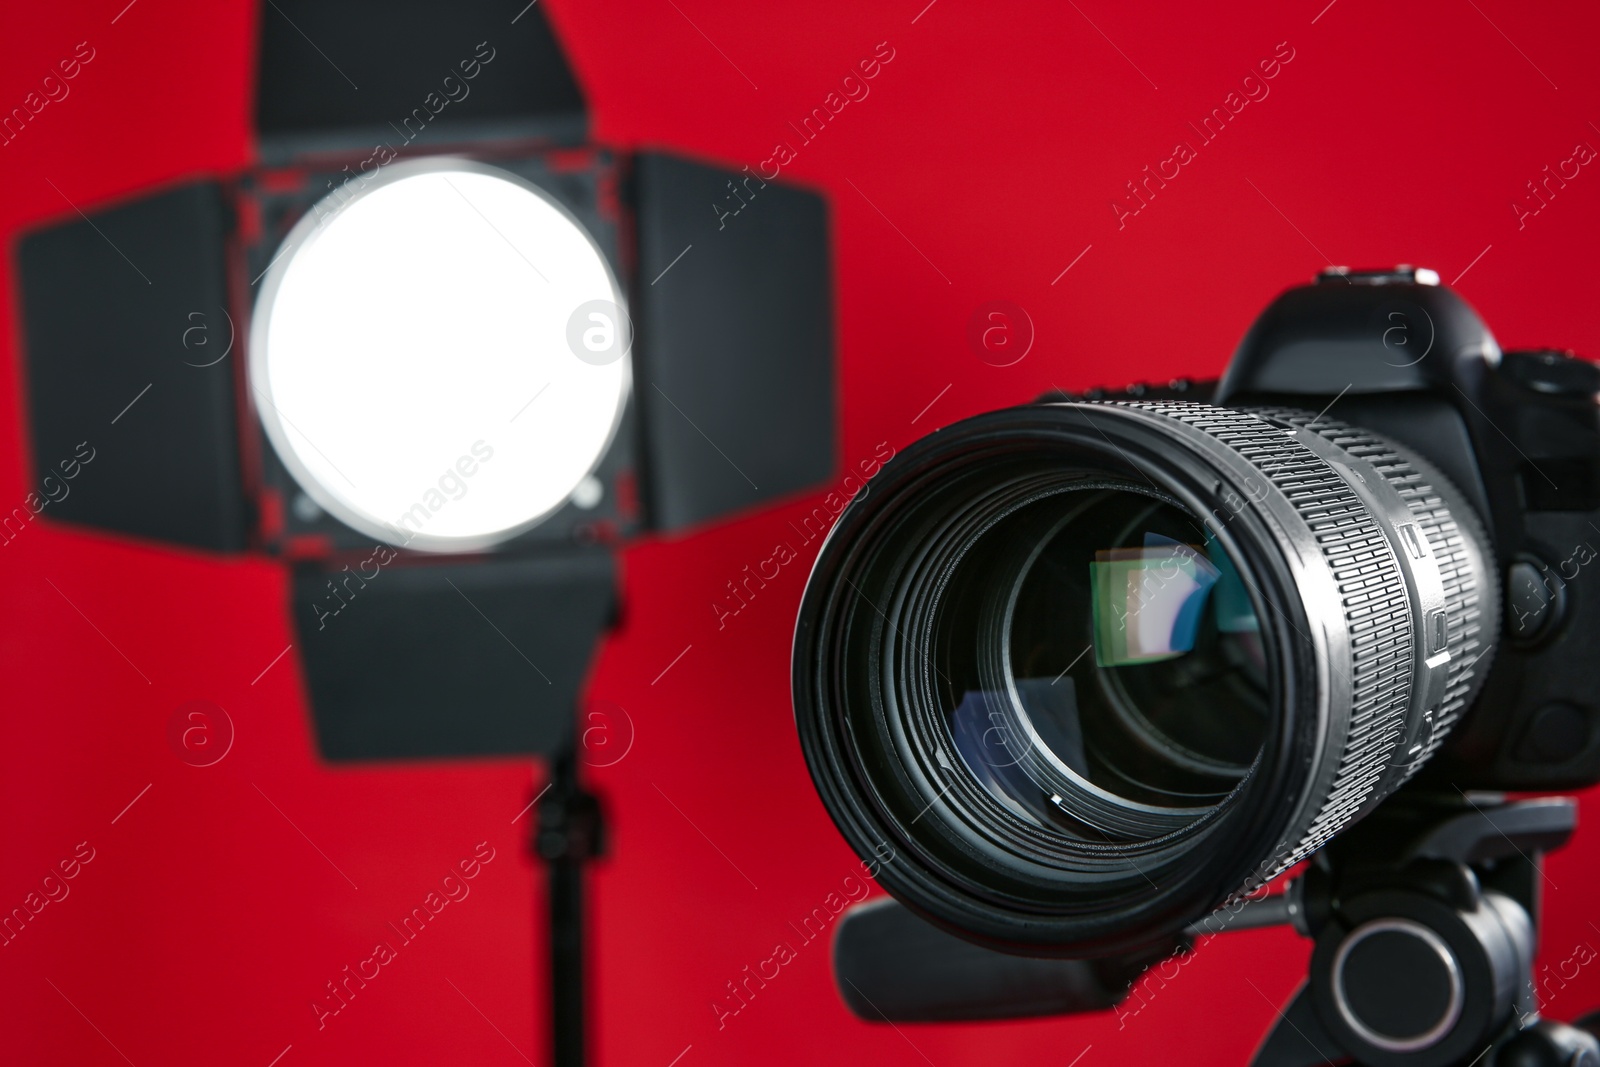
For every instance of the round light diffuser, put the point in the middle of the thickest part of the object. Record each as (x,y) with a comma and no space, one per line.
(439,355)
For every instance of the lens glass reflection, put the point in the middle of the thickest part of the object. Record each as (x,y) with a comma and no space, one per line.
(1102,665)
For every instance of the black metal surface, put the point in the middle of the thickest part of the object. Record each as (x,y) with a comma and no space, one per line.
(336,75)
(127,352)
(734,353)
(1501,831)
(476,657)
(891,966)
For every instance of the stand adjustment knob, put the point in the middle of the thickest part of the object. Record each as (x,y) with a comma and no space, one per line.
(1397,984)
(1404,976)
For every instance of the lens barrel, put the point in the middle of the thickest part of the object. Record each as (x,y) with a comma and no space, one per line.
(1086,671)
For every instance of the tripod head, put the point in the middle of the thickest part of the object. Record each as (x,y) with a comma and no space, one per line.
(1424,917)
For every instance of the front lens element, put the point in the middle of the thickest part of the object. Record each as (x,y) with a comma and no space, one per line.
(1103,652)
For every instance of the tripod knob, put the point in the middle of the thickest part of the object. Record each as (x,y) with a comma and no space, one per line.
(1397,984)
(1404,977)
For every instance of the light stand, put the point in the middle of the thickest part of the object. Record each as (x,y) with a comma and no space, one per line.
(568,834)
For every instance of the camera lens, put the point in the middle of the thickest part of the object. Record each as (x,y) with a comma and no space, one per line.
(1085,671)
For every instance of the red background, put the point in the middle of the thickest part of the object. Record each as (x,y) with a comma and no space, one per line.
(994,141)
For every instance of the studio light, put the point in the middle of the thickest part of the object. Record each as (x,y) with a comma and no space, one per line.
(442,355)
(444,358)
(410,356)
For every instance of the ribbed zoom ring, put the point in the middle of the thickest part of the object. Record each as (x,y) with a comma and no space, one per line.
(1456,538)
(1369,730)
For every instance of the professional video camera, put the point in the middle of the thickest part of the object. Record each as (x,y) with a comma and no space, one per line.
(1096,670)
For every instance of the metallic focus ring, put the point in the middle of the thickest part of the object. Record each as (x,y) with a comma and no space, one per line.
(1373,599)
(1471,605)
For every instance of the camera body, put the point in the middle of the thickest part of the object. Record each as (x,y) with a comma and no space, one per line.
(1519,434)
(1100,668)
(1094,666)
